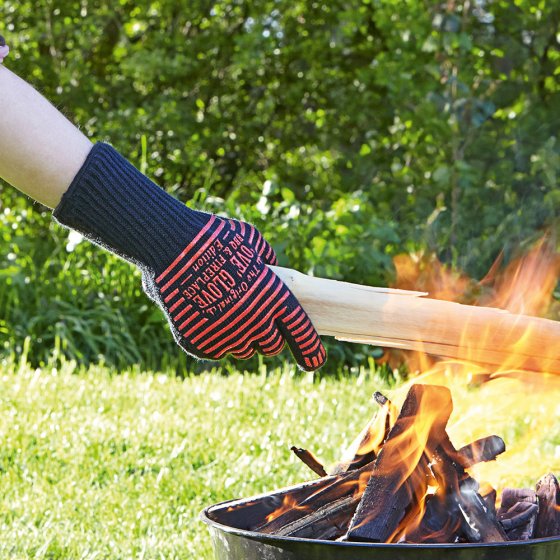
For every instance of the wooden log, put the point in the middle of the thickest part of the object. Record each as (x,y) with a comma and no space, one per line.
(407,320)
(519,520)
(327,523)
(339,486)
(510,496)
(479,524)
(482,450)
(393,485)
(366,446)
(310,460)
(548,519)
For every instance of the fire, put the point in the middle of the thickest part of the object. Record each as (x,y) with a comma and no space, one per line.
(522,407)
(288,503)
(413,445)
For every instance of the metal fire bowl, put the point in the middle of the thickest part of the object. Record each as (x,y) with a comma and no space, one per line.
(229,524)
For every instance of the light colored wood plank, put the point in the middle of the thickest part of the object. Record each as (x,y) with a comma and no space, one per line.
(407,320)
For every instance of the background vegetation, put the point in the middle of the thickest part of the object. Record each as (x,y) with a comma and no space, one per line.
(348,131)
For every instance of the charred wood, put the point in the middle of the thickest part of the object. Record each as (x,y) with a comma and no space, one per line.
(310,460)
(390,493)
(440,522)
(519,520)
(479,523)
(340,486)
(257,508)
(327,523)
(548,519)
(481,450)
(510,496)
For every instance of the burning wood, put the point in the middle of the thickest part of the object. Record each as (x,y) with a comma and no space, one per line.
(481,450)
(518,513)
(339,486)
(327,523)
(548,493)
(374,521)
(406,482)
(364,450)
(310,460)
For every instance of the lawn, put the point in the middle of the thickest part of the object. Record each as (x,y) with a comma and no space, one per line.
(102,465)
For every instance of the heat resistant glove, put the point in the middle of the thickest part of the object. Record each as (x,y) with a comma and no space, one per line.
(208,273)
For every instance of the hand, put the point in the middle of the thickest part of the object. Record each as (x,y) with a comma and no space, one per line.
(208,273)
(221,298)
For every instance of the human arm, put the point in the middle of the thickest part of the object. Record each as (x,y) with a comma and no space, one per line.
(209,274)
(41,150)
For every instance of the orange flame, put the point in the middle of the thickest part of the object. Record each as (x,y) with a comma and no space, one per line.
(526,285)
(522,407)
(288,503)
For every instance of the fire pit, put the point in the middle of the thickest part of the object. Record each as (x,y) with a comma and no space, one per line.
(405,489)
(228,523)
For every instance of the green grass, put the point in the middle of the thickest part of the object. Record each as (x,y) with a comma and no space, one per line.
(95,465)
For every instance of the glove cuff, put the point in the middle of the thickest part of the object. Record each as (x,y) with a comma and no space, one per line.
(114,205)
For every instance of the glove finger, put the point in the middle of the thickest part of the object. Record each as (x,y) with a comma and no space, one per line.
(245,355)
(302,338)
(271,343)
(261,245)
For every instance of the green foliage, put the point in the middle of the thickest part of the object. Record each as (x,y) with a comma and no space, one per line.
(346,131)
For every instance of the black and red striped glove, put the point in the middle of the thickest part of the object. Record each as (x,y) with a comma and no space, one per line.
(208,273)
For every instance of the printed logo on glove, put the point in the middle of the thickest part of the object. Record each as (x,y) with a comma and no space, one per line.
(222,298)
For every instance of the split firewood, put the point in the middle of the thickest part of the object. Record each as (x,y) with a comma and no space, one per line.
(518,513)
(548,519)
(406,320)
(327,523)
(478,520)
(375,520)
(365,448)
(480,451)
(479,524)
(339,486)
(310,460)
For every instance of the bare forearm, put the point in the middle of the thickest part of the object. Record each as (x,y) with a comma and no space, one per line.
(40,149)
